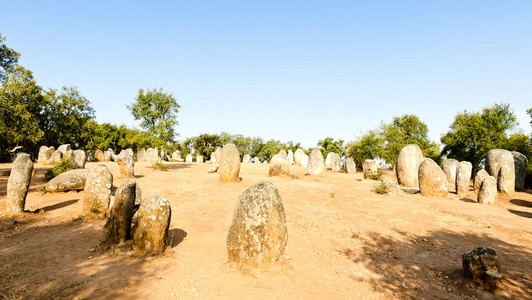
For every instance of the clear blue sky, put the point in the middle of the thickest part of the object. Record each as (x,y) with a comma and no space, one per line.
(287,70)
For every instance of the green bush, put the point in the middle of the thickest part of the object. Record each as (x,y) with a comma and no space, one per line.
(58,168)
(160,166)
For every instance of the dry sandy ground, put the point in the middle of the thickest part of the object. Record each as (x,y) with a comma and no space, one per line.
(344,242)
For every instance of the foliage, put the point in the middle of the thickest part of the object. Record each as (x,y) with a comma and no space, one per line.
(8,58)
(522,143)
(160,166)
(472,135)
(330,145)
(42,189)
(205,144)
(381,188)
(157,110)
(368,146)
(59,167)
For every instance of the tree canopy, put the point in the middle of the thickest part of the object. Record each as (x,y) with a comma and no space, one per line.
(330,145)
(8,58)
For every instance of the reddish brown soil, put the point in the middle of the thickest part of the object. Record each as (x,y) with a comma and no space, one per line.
(344,242)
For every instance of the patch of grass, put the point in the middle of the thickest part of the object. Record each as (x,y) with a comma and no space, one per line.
(381,188)
(377,176)
(58,168)
(42,189)
(160,166)
(332,194)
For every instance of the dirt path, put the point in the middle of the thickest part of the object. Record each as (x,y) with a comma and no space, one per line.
(344,242)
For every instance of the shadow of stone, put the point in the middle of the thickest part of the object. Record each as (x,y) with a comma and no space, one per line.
(177,166)
(520,213)
(410,190)
(468,200)
(176,236)
(59,205)
(521,202)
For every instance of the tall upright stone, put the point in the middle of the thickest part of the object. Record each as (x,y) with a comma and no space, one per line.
(463,177)
(283,152)
(141,155)
(99,156)
(408,162)
(520,164)
(369,168)
(487,194)
(335,162)
(229,163)
(98,187)
(188,158)
(152,155)
(57,156)
(213,158)
(279,165)
(88,156)
(258,233)
(64,149)
(45,154)
(18,183)
(497,158)
(432,179)
(506,181)
(153,222)
(78,159)
(127,165)
(246,159)
(118,226)
(479,177)
(350,167)
(199,159)
(107,156)
(176,155)
(256,160)
(316,163)
(218,154)
(297,157)
(290,156)
(328,161)
(449,167)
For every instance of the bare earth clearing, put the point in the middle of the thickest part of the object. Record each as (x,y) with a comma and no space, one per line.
(344,242)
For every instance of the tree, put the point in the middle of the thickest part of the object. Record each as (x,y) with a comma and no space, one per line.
(529,111)
(368,146)
(472,135)
(330,145)
(8,59)
(205,144)
(157,110)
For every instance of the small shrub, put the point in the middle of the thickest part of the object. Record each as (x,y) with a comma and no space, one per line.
(42,189)
(58,168)
(380,188)
(377,176)
(332,194)
(160,166)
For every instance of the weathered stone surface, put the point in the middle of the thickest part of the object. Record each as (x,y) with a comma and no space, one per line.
(328,161)
(97,189)
(78,159)
(188,158)
(107,156)
(57,156)
(99,156)
(387,187)
(290,156)
(449,167)
(520,165)
(218,154)
(199,159)
(335,162)
(127,165)
(229,163)
(18,183)
(279,165)
(487,193)
(432,179)
(258,231)
(214,169)
(151,229)
(141,155)
(479,177)
(283,152)
(118,226)
(88,156)
(463,177)
(73,180)
(497,158)
(45,154)
(407,167)
(256,160)
(369,168)
(64,149)
(246,159)
(176,154)
(152,155)
(316,163)
(506,181)
(127,151)
(479,261)
(298,155)
(350,167)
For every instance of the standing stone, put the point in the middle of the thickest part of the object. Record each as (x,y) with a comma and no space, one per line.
(57,156)
(369,168)
(506,182)
(18,183)
(290,157)
(497,158)
(152,155)
(328,161)
(176,155)
(141,155)
(118,225)
(153,221)
(127,165)
(45,154)
(279,165)
(335,162)
(256,160)
(316,163)
(520,164)
(78,159)
(188,158)
(350,166)
(449,167)
(64,149)
(480,262)
(258,232)
(229,163)
(487,194)
(479,177)
(432,179)
(107,155)
(99,156)
(463,177)
(218,154)
(199,159)
(246,159)
(407,167)
(127,151)
(97,189)
(72,180)
(283,152)
(213,158)
(88,156)
(298,157)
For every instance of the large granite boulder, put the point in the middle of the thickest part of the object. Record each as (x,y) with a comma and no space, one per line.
(328,161)
(189,158)
(350,167)
(153,221)
(126,162)
(487,194)
(463,177)
(78,159)
(408,162)
(480,263)
(18,184)
(199,159)
(369,168)
(432,179)
(118,226)
(316,163)
(73,180)
(229,163)
(258,231)
(141,155)
(449,167)
(57,156)
(279,165)
(176,155)
(98,187)
(45,154)
(520,164)
(298,155)
(335,162)
(497,158)
(64,149)
(506,181)
(99,156)
(246,159)
(290,156)
(479,177)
